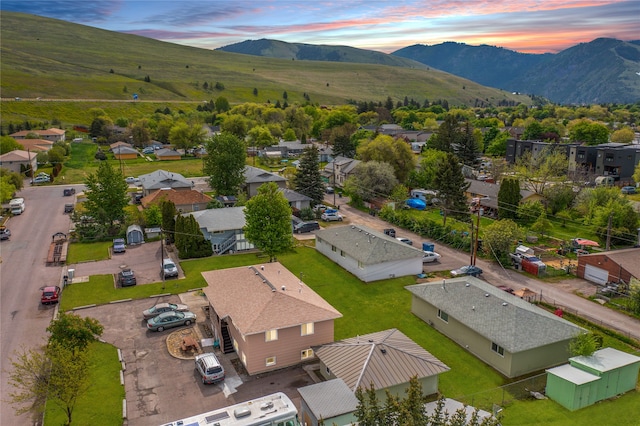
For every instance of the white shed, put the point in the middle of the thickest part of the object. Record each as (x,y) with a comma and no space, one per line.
(134,235)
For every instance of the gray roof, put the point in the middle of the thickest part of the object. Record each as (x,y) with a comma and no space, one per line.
(166,151)
(292,195)
(224,219)
(573,374)
(384,359)
(367,245)
(329,399)
(491,190)
(124,150)
(503,318)
(163,179)
(606,359)
(256,175)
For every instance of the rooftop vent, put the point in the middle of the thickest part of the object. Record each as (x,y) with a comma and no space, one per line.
(467,285)
(262,267)
(370,340)
(504,303)
(384,351)
(486,295)
(283,288)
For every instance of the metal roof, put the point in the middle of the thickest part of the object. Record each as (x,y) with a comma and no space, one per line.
(163,179)
(384,359)
(503,318)
(367,245)
(214,220)
(606,359)
(573,374)
(329,399)
(256,175)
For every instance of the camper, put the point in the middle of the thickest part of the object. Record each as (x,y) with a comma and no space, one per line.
(605,181)
(425,195)
(17,206)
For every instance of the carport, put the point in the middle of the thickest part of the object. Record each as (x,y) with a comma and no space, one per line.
(135,235)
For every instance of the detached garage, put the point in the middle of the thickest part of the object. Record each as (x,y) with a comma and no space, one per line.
(617,266)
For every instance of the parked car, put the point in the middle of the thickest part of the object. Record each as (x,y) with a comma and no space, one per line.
(130,179)
(68,208)
(50,295)
(67,192)
(329,190)
(471,270)
(628,190)
(303,227)
(331,216)
(209,368)
(505,288)
(390,232)
(170,319)
(430,256)
(160,308)
(119,246)
(169,268)
(405,240)
(126,278)
(137,198)
(5,233)
(41,179)
(148,150)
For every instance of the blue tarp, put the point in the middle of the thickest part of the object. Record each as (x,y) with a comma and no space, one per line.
(416,203)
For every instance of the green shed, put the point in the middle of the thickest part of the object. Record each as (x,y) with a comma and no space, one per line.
(589,379)
(571,387)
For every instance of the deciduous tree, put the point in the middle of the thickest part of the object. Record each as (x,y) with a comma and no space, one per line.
(395,152)
(268,218)
(106,196)
(73,331)
(225,164)
(498,237)
(370,180)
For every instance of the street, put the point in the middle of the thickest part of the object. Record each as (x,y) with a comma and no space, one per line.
(23,273)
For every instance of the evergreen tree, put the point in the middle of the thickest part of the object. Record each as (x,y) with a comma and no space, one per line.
(509,198)
(468,148)
(225,164)
(451,186)
(168,210)
(307,179)
(447,136)
(268,218)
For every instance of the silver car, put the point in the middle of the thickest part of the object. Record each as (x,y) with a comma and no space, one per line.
(160,308)
(170,319)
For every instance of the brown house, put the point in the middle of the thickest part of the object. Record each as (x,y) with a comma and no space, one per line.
(165,154)
(51,134)
(267,315)
(36,144)
(124,153)
(617,266)
(186,201)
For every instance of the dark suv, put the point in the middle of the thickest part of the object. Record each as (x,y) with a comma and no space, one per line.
(303,227)
(126,278)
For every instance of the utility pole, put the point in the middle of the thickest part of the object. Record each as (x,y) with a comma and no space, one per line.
(471,243)
(334,180)
(475,244)
(608,244)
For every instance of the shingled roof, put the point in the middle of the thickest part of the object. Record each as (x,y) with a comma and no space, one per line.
(264,297)
(507,320)
(384,359)
(367,245)
(178,198)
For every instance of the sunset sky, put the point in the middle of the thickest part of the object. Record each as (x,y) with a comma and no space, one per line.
(533,26)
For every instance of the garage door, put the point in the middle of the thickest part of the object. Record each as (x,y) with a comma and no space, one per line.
(596,275)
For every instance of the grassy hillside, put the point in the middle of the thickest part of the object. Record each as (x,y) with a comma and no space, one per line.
(53,59)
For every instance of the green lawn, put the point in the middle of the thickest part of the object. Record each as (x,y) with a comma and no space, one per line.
(85,252)
(374,307)
(104,387)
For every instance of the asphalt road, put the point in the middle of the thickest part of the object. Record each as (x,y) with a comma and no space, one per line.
(22,274)
(560,293)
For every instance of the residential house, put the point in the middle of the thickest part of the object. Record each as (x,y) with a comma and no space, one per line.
(36,144)
(390,129)
(188,200)
(52,134)
(19,161)
(163,179)
(118,145)
(224,229)
(484,195)
(368,254)
(124,153)
(227,200)
(337,171)
(330,401)
(255,177)
(296,200)
(386,359)
(156,145)
(506,332)
(586,380)
(164,154)
(267,315)
(617,266)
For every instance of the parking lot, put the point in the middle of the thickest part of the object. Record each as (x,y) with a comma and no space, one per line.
(160,387)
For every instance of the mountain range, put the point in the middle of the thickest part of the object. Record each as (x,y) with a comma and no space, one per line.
(602,71)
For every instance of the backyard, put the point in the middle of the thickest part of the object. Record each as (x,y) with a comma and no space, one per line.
(374,307)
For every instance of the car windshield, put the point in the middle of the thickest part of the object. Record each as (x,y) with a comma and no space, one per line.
(49,293)
(169,266)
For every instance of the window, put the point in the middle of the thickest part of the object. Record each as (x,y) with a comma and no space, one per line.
(270,361)
(497,349)
(235,345)
(333,248)
(360,265)
(244,359)
(270,335)
(443,315)
(327,370)
(342,253)
(306,329)
(306,354)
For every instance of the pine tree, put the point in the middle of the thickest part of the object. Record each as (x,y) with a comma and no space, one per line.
(468,148)
(168,210)
(308,180)
(451,186)
(509,198)
(447,136)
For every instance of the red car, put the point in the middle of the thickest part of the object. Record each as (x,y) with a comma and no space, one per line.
(50,295)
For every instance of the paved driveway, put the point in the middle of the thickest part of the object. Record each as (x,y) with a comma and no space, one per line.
(160,388)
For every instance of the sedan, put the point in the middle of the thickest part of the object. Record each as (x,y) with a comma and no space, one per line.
(170,319)
(430,256)
(405,240)
(41,179)
(331,217)
(628,190)
(471,270)
(5,233)
(160,308)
